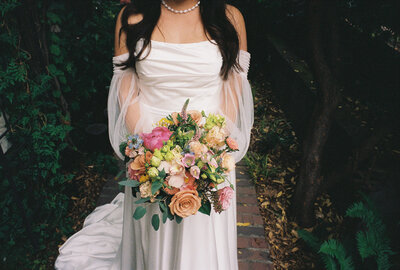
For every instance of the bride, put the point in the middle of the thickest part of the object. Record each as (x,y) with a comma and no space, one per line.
(166,52)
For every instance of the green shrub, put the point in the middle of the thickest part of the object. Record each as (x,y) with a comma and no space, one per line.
(370,242)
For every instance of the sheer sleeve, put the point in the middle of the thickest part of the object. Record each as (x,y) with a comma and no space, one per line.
(122,105)
(236,104)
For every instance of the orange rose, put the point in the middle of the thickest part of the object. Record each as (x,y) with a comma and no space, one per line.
(138,163)
(137,166)
(185,203)
(196,116)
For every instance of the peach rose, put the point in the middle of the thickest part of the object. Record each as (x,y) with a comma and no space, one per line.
(228,162)
(137,166)
(196,116)
(198,148)
(216,137)
(232,143)
(185,203)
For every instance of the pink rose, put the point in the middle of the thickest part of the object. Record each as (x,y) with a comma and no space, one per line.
(225,196)
(232,144)
(155,139)
(125,2)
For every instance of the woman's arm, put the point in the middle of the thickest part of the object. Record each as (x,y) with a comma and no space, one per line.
(236,97)
(122,106)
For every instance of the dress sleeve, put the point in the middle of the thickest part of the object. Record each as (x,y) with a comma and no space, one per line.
(122,104)
(236,104)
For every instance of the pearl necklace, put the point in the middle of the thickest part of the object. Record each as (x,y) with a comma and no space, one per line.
(180,11)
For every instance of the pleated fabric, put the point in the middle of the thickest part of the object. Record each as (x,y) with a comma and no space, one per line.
(171,73)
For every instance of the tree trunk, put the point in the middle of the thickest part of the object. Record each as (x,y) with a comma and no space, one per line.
(310,177)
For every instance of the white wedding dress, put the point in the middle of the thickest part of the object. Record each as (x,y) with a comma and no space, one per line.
(171,73)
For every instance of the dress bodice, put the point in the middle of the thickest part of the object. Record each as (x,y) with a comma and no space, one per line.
(173,72)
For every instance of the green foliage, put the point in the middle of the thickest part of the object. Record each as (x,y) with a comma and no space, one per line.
(140,211)
(371,242)
(315,244)
(49,109)
(335,249)
(155,221)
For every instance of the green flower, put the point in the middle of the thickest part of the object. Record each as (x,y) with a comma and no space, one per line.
(152,172)
(200,164)
(155,161)
(214,120)
(170,143)
(157,153)
(169,156)
(165,149)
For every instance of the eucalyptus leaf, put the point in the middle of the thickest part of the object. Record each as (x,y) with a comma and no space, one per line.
(178,219)
(155,222)
(163,207)
(143,200)
(129,183)
(140,211)
(155,186)
(162,174)
(205,207)
(164,217)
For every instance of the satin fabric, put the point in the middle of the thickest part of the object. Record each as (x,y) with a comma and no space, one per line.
(171,73)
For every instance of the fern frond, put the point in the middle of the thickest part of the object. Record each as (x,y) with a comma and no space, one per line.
(335,249)
(372,242)
(328,261)
(363,245)
(310,239)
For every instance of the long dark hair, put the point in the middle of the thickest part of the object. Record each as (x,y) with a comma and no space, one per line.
(215,23)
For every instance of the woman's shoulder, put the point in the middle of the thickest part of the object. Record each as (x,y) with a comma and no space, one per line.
(237,20)
(133,17)
(234,14)
(120,38)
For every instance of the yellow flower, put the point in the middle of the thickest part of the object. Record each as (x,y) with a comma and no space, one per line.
(164,122)
(144,178)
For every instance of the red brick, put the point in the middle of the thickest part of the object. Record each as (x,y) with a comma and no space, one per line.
(248,209)
(252,254)
(244,266)
(251,231)
(243,253)
(259,243)
(245,218)
(258,220)
(258,255)
(247,199)
(243,242)
(261,266)
(246,190)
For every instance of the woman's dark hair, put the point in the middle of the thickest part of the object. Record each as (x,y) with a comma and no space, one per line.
(215,23)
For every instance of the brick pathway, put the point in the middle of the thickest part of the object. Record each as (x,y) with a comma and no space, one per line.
(252,247)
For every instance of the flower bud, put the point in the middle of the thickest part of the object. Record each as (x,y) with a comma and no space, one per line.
(169,156)
(157,153)
(155,161)
(165,149)
(170,143)
(153,172)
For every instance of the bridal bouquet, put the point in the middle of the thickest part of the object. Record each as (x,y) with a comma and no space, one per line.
(180,164)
